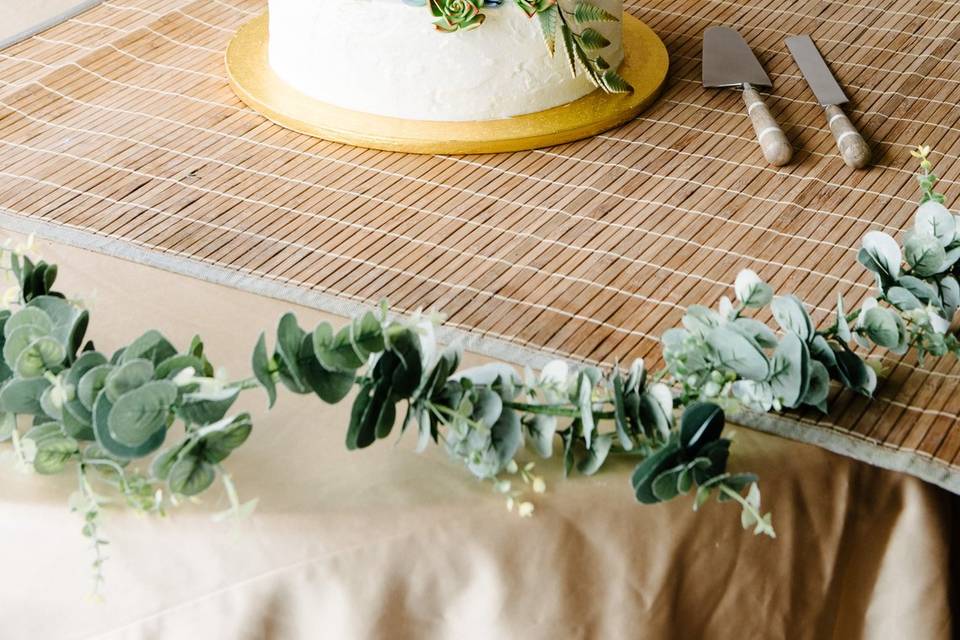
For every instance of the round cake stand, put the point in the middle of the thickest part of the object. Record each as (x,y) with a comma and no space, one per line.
(645,67)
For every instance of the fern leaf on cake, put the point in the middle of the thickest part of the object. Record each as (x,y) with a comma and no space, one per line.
(586,12)
(592,39)
(548,25)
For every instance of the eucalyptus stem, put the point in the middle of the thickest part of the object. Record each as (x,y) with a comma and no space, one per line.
(749,508)
(230,488)
(91,529)
(557,410)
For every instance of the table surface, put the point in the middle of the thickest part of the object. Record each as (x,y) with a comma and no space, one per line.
(118,131)
(389,543)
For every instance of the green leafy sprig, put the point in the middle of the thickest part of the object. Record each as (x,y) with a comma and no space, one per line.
(582,43)
(484,415)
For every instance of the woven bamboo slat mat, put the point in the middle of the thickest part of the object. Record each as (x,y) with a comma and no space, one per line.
(118,132)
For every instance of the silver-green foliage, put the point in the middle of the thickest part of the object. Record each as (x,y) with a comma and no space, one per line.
(77,407)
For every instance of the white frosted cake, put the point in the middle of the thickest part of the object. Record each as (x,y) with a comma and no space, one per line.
(386,57)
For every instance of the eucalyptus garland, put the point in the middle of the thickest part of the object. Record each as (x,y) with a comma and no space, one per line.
(582,43)
(152,424)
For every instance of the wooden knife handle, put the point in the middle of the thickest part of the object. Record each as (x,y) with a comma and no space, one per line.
(853,148)
(776,147)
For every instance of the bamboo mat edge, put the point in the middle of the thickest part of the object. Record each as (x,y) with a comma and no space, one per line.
(878,454)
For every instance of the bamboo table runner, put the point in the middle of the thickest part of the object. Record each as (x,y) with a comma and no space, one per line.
(118,132)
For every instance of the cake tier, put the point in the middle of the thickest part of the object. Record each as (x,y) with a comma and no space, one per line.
(386,57)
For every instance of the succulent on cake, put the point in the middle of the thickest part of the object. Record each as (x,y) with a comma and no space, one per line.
(456,15)
(533,7)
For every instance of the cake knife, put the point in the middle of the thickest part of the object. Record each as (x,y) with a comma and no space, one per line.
(729,62)
(853,148)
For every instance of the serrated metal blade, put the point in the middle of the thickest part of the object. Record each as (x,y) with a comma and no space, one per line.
(728,60)
(815,70)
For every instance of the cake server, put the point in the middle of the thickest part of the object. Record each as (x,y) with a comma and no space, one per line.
(853,148)
(729,62)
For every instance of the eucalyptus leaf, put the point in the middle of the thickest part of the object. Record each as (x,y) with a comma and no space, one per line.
(41,355)
(739,353)
(138,414)
(791,315)
(43,431)
(756,330)
(48,404)
(855,374)
(160,468)
(28,316)
(619,412)
(701,424)
(666,485)
(819,386)
(102,409)
(487,407)
(700,320)
(820,350)
(842,326)
(68,322)
(540,431)
(77,420)
(881,325)
(82,365)
(151,346)
(289,340)
(655,410)
(336,351)
(922,290)
(949,291)
(21,396)
(190,476)
(129,375)
(206,407)
(91,383)
(19,341)
(903,299)
(169,368)
(373,412)
(506,436)
(934,219)
(229,435)
(751,291)
(924,254)
(585,404)
(262,370)
(53,454)
(791,364)
(881,254)
(596,454)
(330,386)
(646,472)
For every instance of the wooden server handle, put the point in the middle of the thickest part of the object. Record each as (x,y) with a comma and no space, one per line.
(853,148)
(776,148)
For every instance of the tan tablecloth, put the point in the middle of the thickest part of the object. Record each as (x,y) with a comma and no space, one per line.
(389,544)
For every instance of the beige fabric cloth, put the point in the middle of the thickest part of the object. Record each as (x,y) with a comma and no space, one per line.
(386,543)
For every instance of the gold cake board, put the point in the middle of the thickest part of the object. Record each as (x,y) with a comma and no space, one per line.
(645,67)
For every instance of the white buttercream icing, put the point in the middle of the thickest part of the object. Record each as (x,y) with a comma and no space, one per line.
(385,57)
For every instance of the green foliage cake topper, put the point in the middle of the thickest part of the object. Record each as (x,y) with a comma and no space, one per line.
(152,423)
(582,43)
